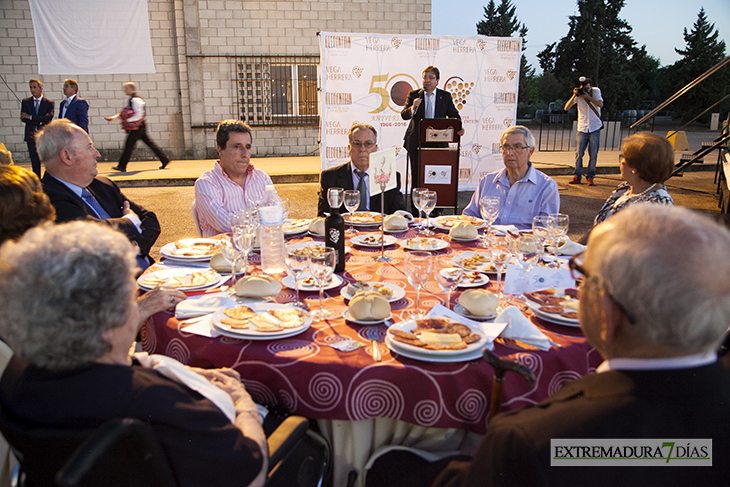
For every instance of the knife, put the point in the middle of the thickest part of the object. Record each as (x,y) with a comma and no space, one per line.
(376,352)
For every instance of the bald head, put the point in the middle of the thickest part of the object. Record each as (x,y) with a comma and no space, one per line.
(67,152)
(669,268)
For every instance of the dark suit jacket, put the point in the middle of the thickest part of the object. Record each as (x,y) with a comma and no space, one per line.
(671,404)
(341,177)
(45,115)
(77,112)
(444,109)
(71,207)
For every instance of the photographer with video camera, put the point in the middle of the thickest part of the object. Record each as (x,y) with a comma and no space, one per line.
(589,101)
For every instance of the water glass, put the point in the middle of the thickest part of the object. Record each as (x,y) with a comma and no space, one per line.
(335,197)
(352,201)
(489,210)
(418,267)
(448,276)
(231,254)
(418,203)
(322,266)
(500,258)
(297,261)
(542,231)
(243,239)
(528,252)
(559,223)
(428,203)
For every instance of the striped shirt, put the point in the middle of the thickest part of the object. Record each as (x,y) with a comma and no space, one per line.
(217,197)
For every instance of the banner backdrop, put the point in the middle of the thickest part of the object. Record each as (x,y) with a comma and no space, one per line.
(365,78)
(92,36)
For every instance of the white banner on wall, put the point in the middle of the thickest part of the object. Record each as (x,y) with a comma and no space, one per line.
(92,36)
(366,78)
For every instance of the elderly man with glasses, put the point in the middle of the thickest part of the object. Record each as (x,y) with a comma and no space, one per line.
(523,191)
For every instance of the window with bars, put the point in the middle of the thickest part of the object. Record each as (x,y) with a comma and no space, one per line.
(277,90)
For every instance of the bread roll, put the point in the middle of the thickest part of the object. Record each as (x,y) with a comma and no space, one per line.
(463,230)
(395,222)
(479,302)
(369,306)
(220,264)
(317,226)
(257,287)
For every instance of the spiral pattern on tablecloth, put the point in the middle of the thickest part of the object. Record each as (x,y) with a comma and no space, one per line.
(259,391)
(149,339)
(289,401)
(362,276)
(376,398)
(373,333)
(471,405)
(326,390)
(178,350)
(292,348)
(390,271)
(533,362)
(427,412)
(560,379)
(227,339)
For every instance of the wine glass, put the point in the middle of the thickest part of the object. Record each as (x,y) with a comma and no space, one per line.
(559,223)
(428,203)
(321,266)
(335,197)
(286,205)
(244,235)
(448,275)
(418,267)
(297,261)
(417,202)
(528,252)
(252,205)
(352,201)
(541,230)
(489,210)
(500,258)
(231,254)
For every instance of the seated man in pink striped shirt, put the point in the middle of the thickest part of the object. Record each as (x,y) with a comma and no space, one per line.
(233,184)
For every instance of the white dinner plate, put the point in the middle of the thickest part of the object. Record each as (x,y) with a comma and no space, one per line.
(487,267)
(363,218)
(424,243)
(252,334)
(313,234)
(447,221)
(288,281)
(463,240)
(346,315)
(398,292)
(176,278)
(403,230)
(409,325)
(459,309)
(466,281)
(168,250)
(296,226)
(373,240)
(394,346)
(553,317)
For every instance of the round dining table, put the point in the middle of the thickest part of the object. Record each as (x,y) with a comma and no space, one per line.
(359,402)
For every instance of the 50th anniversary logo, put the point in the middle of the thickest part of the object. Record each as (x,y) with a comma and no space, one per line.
(630,452)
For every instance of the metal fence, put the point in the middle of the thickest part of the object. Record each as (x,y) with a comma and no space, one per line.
(557,130)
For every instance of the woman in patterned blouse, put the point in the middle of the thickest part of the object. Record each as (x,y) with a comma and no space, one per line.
(647,160)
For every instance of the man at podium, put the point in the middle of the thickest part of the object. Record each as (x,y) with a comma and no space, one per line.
(429,102)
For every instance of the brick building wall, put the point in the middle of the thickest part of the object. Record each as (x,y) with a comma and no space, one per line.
(195,86)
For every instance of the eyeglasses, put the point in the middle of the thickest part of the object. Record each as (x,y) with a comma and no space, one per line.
(368,144)
(578,271)
(512,148)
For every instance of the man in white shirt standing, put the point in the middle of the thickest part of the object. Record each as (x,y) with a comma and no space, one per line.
(589,101)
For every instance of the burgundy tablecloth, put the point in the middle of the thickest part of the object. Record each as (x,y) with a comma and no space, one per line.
(314,380)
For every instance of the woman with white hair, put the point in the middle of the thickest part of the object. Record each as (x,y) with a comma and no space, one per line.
(68,298)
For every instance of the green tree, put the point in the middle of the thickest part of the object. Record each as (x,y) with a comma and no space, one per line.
(599,45)
(703,50)
(501,21)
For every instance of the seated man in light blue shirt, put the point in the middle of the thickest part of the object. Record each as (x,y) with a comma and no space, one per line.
(523,191)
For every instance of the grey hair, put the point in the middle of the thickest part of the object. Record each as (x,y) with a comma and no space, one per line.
(669,267)
(519,129)
(56,136)
(63,286)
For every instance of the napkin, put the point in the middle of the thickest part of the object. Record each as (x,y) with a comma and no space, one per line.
(490,330)
(503,229)
(202,305)
(522,329)
(405,215)
(571,248)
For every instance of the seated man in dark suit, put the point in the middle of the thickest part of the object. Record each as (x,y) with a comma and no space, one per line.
(76,192)
(354,175)
(656,311)
(73,107)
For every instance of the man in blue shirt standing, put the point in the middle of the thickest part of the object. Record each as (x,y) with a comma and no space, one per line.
(523,191)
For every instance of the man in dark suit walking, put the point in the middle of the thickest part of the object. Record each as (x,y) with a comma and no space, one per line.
(77,193)
(429,102)
(657,313)
(354,175)
(73,106)
(35,112)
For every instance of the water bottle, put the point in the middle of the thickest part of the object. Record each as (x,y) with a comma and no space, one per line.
(271,220)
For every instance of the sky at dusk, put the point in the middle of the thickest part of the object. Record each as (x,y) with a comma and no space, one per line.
(658,24)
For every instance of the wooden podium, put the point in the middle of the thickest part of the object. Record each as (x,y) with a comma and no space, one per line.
(439,163)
